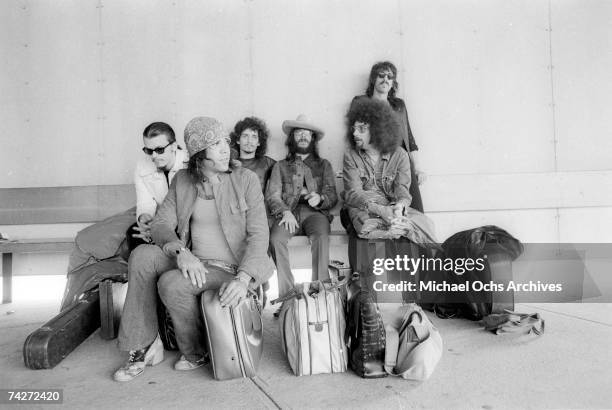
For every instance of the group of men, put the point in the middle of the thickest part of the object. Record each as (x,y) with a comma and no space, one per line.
(299,190)
(214,224)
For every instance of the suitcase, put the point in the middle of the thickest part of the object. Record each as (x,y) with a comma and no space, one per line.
(51,343)
(112,298)
(234,335)
(312,327)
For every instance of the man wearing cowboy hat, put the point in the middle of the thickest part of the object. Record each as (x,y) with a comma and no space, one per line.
(211,232)
(300,193)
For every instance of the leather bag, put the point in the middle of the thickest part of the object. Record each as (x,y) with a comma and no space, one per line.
(312,327)
(414,345)
(234,335)
(365,336)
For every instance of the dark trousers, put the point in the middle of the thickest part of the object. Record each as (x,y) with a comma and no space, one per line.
(316,226)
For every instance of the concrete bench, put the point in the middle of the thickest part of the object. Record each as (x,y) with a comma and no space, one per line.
(54,205)
(78,204)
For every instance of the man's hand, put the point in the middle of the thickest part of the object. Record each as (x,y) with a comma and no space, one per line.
(144,227)
(192,268)
(313,198)
(232,292)
(385,212)
(398,209)
(289,222)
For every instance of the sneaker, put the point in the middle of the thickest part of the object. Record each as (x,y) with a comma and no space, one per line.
(149,356)
(184,364)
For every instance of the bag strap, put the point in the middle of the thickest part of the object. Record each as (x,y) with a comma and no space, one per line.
(391,349)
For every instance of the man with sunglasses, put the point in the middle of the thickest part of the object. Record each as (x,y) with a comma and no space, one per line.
(164,158)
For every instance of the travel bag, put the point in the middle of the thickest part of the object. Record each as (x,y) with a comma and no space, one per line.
(413,344)
(112,298)
(365,336)
(312,327)
(234,335)
(52,342)
(496,248)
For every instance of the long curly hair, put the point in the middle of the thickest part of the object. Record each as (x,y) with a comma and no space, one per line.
(383,66)
(385,131)
(255,124)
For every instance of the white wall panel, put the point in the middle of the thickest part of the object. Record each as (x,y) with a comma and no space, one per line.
(14,81)
(477,85)
(517,191)
(138,73)
(588,225)
(54,79)
(582,57)
(313,57)
(214,73)
(529,226)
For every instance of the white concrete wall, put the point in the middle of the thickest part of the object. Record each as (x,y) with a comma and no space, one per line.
(508,99)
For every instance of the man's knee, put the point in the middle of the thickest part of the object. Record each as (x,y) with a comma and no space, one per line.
(172,285)
(142,260)
(319,229)
(278,237)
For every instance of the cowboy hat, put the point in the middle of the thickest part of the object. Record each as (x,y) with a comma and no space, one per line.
(302,122)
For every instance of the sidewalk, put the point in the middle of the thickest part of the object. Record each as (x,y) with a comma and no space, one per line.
(570,366)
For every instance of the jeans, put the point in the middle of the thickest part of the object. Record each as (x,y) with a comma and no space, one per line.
(150,270)
(316,226)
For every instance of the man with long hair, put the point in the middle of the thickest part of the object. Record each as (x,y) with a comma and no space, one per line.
(300,193)
(383,86)
(250,139)
(376,170)
(209,233)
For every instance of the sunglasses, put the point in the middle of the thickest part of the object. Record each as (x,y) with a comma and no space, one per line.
(386,75)
(158,150)
(360,128)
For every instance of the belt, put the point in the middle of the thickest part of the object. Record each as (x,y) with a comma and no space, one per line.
(230,267)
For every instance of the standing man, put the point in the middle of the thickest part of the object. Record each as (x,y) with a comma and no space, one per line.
(152,177)
(300,193)
(250,139)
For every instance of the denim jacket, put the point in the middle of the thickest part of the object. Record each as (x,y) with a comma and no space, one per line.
(242,212)
(289,176)
(358,176)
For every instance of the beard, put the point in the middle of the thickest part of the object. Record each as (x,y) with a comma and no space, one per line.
(305,150)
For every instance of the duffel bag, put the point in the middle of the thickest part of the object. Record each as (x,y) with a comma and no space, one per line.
(414,345)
